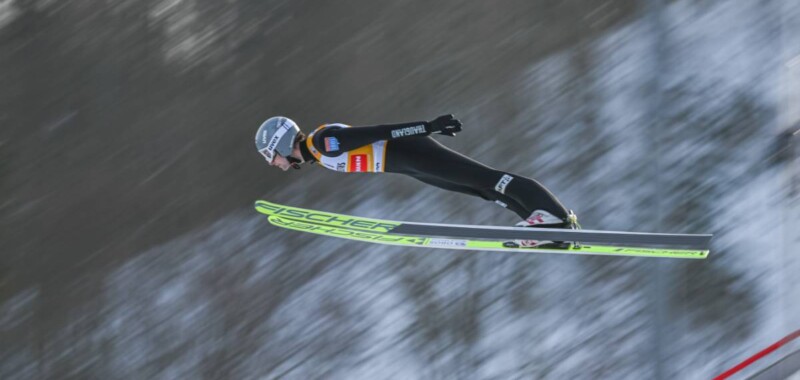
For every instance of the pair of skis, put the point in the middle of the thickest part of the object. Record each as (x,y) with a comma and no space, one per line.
(483,238)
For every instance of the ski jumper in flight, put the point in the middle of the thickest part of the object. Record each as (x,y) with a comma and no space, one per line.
(408,149)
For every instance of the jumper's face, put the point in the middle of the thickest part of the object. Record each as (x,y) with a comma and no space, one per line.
(280,162)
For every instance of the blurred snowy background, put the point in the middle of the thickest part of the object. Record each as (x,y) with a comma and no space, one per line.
(129,248)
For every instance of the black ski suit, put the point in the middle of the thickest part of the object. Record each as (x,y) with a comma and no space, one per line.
(423,158)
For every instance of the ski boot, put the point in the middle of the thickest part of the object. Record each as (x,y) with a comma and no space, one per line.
(544,219)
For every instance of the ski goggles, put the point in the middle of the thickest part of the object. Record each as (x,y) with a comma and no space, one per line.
(268,154)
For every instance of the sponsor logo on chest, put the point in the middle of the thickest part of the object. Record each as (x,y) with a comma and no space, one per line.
(331,144)
(358,163)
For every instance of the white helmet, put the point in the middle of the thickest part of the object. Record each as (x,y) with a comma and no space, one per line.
(276,135)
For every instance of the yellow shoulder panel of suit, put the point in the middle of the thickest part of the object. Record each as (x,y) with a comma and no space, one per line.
(310,144)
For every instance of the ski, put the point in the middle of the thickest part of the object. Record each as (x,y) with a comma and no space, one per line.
(485,232)
(482,237)
(475,245)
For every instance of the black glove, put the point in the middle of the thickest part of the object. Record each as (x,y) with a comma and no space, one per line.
(445,124)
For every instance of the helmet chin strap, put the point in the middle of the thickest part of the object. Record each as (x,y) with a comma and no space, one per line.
(294,162)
